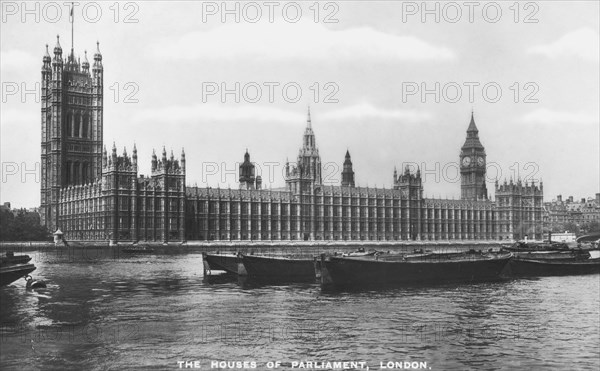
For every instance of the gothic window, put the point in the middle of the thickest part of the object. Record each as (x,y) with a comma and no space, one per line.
(76,125)
(85,127)
(69,124)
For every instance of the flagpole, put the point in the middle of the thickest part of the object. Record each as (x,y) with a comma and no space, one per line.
(72,33)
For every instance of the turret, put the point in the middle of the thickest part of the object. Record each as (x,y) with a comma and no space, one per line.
(58,50)
(98,57)
(183,160)
(247,173)
(348,172)
(134,157)
(46,61)
(154,161)
(114,154)
(104,158)
(85,66)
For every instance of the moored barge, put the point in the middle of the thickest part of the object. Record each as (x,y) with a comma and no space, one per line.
(523,267)
(385,270)
(281,268)
(228,262)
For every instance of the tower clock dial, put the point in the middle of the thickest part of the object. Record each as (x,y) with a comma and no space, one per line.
(480,161)
(466,161)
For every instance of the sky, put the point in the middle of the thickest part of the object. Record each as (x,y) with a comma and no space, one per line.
(392,82)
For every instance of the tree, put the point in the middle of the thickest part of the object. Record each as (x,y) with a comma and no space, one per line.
(25,226)
(571,227)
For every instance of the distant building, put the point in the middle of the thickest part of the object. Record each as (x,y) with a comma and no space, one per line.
(91,194)
(583,212)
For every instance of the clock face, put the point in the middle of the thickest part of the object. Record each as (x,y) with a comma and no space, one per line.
(480,161)
(466,161)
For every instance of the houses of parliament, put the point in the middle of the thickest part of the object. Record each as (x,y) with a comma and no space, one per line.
(91,193)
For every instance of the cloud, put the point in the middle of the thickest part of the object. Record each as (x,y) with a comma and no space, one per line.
(302,40)
(218,113)
(550,117)
(253,113)
(18,60)
(364,111)
(582,43)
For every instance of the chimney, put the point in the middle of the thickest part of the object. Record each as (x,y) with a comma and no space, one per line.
(570,198)
(559,198)
(598,198)
(583,200)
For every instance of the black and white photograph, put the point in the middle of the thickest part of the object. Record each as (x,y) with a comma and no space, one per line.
(300,185)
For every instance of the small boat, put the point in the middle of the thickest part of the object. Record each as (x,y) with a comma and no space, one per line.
(549,267)
(396,269)
(140,249)
(360,252)
(571,255)
(281,268)
(228,262)
(537,246)
(14,267)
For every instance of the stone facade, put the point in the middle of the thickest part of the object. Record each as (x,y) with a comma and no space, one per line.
(91,195)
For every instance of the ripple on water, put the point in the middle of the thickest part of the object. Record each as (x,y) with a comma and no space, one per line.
(160,309)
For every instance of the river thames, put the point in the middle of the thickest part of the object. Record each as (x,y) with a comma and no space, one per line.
(105,311)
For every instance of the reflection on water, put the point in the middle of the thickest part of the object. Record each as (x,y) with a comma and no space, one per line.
(121,312)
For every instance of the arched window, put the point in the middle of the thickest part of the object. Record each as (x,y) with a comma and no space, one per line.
(69,124)
(85,127)
(84,173)
(77,125)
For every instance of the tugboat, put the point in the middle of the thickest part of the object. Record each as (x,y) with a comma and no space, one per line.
(397,269)
(14,267)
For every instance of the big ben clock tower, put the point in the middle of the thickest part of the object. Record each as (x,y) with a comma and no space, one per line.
(472,166)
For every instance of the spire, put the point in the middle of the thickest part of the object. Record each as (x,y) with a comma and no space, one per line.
(472,140)
(308,121)
(472,127)
(98,56)
(46,58)
(58,48)
(347,154)
(86,64)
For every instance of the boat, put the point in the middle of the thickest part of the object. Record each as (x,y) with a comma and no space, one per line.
(537,246)
(396,269)
(360,252)
(141,249)
(228,262)
(549,267)
(281,268)
(571,255)
(14,267)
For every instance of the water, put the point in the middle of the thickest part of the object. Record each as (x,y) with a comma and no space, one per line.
(151,311)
